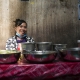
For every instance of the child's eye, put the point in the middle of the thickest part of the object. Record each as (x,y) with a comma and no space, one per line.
(23,26)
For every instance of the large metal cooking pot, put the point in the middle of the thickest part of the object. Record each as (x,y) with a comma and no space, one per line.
(9,56)
(44,46)
(29,46)
(40,56)
(70,54)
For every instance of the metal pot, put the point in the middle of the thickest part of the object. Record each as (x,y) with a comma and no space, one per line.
(29,46)
(40,56)
(8,56)
(59,46)
(70,54)
(44,46)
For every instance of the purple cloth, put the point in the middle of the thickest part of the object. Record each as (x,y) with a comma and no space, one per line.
(20,41)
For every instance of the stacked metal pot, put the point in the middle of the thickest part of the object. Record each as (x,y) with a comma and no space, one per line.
(70,54)
(45,52)
(39,52)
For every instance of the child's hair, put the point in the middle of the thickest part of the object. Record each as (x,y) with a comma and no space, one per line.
(18,22)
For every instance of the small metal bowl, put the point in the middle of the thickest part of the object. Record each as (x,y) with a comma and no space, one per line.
(70,54)
(9,56)
(40,56)
(59,46)
(29,46)
(44,46)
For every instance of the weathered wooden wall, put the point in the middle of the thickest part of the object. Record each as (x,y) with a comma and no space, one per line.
(9,11)
(4,22)
(48,20)
(54,20)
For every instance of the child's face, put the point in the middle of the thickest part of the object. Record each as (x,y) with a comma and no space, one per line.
(22,29)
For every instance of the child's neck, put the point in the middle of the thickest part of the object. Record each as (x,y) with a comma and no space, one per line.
(19,38)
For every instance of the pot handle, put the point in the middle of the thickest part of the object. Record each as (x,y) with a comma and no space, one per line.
(56,48)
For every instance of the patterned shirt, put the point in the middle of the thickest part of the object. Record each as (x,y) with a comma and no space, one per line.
(11,43)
